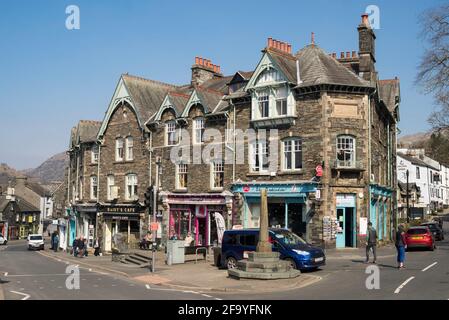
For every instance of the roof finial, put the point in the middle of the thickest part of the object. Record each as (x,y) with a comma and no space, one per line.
(313,38)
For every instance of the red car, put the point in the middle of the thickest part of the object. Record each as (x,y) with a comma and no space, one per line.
(420,237)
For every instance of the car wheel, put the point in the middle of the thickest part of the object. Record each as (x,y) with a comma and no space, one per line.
(231,263)
(292,263)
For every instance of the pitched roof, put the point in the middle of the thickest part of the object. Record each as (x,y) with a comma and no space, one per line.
(25,206)
(3,203)
(413,160)
(87,130)
(178,100)
(389,93)
(147,95)
(210,98)
(317,67)
(218,84)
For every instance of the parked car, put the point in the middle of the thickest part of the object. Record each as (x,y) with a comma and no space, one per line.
(301,255)
(3,240)
(420,237)
(35,241)
(435,229)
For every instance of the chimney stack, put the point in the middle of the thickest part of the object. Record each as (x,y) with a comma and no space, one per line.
(204,70)
(279,45)
(367,52)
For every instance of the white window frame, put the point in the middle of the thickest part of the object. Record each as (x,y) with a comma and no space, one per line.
(170,129)
(198,125)
(257,151)
(131,184)
(216,167)
(93,187)
(281,97)
(295,146)
(129,153)
(263,101)
(181,168)
(110,183)
(94,154)
(346,151)
(119,149)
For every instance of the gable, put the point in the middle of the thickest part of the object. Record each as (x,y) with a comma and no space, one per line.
(265,66)
(121,94)
(193,100)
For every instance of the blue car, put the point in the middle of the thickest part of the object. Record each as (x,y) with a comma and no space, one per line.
(292,248)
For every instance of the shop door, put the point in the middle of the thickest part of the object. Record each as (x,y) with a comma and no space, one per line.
(107,236)
(346,231)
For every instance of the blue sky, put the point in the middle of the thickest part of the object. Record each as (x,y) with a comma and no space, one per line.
(52,77)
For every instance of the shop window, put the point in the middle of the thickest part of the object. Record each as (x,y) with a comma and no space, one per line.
(134,226)
(345,151)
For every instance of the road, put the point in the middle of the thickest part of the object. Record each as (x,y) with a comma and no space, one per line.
(27,275)
(426,276)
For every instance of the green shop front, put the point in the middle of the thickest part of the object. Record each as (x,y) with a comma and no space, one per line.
(288,205)
(380,211)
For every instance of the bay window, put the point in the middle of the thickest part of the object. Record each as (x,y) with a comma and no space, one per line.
(170,129)
(264,104)
(281,101)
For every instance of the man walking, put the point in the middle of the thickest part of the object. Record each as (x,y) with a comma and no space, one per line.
(371,242)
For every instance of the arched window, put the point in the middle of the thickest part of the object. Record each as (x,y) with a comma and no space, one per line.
(346,151)
(292,154)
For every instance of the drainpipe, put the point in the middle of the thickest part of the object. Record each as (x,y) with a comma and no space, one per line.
(369,153)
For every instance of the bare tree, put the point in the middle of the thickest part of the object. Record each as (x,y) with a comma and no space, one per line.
(433,70)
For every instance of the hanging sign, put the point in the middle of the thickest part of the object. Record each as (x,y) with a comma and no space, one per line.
(319,170)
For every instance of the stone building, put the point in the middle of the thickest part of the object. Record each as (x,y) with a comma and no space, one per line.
(317,131)
(82,184)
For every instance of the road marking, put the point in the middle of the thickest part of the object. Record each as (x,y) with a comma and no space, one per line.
(206,295)
(403,285)
(90,269)
(27,296)
(147,286)
(428,267)
(6,274)
(222,299)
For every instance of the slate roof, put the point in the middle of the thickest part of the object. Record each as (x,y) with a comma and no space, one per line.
(413,160)
(218,84)
(389,93)
(286,63)
(22,205)
(147,95)
(178,100)
(3,203)
(85,131)
(209,97)
(317,67)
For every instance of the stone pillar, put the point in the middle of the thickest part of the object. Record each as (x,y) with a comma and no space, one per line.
(264,245)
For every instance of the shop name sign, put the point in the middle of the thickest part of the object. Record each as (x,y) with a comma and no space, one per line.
(120,209)
(273,188)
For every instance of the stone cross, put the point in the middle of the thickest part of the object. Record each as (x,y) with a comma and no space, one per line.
(263,245)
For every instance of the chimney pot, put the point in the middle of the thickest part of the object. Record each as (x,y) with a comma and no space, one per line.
(200,61)
(342,55)
(283,46)
(289,48)
(348,54)
(354,54)
(197,60)
(218,69)
(365,19)
(270,42)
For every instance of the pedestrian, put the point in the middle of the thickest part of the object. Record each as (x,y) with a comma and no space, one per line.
(371,242)
(81,247)
(75,246)
(401,245)
(53,240)
(56,242)
(97,247)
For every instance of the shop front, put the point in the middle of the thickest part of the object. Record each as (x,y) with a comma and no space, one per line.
(380,211)
(86,216)
(127,220)
(194,214)
(289,206)
(347,220)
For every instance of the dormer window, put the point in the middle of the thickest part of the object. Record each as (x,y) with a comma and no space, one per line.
(171,136)
(198,130)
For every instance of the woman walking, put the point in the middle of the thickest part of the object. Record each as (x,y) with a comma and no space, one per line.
(401,245)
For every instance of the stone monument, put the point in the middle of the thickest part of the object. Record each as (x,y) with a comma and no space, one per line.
(264,263)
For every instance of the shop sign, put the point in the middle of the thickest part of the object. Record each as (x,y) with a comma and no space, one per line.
(345,200)
(121,217)
(120,209)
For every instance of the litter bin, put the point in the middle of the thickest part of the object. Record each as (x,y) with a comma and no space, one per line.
(175,251)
